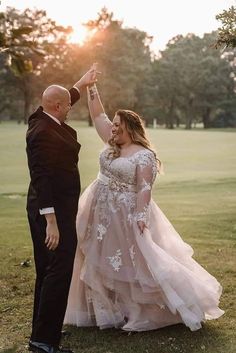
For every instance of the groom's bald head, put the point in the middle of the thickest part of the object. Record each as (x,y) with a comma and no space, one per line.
(56,101)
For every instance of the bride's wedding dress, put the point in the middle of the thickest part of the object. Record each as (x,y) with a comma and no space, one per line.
(124,279)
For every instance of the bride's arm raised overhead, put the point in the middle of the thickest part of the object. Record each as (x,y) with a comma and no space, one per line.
(102,124)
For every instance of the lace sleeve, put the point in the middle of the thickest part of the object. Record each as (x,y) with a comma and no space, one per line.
(146,174)
(103,126)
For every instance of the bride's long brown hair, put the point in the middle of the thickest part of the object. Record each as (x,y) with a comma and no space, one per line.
(136,131)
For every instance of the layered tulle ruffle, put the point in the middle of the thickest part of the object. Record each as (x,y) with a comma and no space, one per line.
(150,279)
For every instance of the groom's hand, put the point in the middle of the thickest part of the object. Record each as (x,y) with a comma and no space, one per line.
(52,232)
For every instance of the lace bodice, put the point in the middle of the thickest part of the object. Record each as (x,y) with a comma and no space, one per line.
(135,173)
(124,169)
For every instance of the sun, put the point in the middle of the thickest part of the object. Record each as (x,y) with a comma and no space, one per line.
(78,35)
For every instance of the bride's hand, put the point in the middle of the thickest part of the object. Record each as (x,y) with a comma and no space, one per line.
(94,72)
(141,226)
(89,78)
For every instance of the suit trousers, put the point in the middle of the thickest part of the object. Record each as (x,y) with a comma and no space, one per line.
(53,276)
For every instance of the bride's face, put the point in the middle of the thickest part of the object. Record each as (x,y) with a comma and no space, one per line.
(119,132)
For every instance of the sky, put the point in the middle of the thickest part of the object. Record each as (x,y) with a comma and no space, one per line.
(162,19)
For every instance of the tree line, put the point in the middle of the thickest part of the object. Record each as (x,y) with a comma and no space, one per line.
(192,81)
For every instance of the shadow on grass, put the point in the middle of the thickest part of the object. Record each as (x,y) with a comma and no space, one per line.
(177,338)
(9,350)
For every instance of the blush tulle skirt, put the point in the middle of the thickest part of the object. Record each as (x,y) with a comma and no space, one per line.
(137,282)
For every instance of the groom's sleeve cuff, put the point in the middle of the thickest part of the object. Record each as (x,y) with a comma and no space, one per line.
(77,89)
(74,94)
(47,210)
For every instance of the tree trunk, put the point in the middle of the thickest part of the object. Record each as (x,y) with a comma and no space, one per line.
(188,124)
(206,118)
(177,119)
(189,114)
(27,99)
(170,117)
(26,107)
(90,122)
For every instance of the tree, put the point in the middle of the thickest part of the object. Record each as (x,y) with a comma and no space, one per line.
(177,79)
(227,33)
(193,80)
(124,59)
(29,41)
(216,81)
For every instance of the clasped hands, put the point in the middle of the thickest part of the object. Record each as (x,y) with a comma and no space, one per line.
(89,78)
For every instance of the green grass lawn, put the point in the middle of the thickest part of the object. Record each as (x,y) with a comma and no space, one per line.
(197,193)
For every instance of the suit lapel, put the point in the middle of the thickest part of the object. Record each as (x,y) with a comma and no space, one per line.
(69,129)
(68,134)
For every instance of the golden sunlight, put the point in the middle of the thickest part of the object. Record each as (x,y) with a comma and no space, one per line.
(78,35)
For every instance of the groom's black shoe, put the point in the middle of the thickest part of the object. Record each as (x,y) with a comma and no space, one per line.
(39,347)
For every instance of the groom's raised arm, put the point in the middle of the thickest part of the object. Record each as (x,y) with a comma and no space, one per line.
(87,79)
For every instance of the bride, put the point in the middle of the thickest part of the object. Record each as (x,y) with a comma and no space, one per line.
(132,269)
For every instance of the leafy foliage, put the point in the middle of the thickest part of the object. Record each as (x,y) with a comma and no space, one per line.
(124,59)
(227,33)
(28,42)
(194,80)
(25,37)
(190,81)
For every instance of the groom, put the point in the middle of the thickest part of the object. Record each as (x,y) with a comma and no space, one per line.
(52,151)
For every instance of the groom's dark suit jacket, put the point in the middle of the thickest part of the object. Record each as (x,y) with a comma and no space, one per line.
(52,152)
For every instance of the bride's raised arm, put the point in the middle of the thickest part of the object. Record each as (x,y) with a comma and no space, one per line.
(102,124)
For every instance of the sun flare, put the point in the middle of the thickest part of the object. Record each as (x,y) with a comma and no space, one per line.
(78,35)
